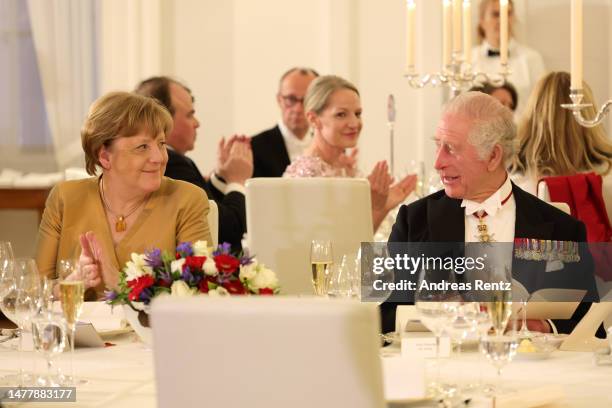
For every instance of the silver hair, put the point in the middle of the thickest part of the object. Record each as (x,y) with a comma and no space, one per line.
(492,123)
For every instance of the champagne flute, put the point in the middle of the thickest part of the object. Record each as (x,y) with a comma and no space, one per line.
(71,293)
(321,260)
(500,301)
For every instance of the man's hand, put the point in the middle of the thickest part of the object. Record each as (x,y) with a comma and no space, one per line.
(235,159)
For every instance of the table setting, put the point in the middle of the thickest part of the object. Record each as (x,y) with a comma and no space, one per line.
(449,354)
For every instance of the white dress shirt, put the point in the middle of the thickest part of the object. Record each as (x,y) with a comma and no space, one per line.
(526,66)
(295,146)
(500,219)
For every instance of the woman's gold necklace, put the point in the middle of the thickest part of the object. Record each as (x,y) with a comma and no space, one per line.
(120,224)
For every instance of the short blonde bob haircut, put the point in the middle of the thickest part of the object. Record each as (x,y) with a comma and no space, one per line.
(320,89)
(120,114)
(551,142)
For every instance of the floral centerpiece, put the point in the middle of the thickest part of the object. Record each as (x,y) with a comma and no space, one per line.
(193,269)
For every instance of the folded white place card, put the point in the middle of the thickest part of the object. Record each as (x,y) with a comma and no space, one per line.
(404,379)
(423,345)
(102,316)
(87,336)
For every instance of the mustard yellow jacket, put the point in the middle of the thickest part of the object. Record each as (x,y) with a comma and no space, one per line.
(175,213)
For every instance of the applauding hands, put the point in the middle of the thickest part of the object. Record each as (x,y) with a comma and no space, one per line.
(94,266)
(235,159)
(386,194)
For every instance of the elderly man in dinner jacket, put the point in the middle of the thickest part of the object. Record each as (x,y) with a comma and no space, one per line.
(474,141)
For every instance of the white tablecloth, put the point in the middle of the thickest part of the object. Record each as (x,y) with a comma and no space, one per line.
(123,375)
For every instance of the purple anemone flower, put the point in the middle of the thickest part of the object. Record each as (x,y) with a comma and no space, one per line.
(154,258)
(110,295)
(184,248)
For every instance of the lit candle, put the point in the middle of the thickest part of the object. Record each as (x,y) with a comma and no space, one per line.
(410,33)
(457,26)
(576,44)
(503,47)
(446,33)
(467,32)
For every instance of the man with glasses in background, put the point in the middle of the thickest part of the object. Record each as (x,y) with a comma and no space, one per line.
(275,148)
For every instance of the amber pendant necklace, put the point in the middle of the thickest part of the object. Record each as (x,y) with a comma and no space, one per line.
(120,223)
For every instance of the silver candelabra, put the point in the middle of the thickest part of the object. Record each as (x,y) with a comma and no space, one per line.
(576,95)
(458,76)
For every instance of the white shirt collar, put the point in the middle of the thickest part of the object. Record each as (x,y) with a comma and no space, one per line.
(486,47)
(492,204)
(290,137)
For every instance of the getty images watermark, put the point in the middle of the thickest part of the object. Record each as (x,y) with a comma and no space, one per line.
(480,271)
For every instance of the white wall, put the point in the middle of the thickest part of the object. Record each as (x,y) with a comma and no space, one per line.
(231,54)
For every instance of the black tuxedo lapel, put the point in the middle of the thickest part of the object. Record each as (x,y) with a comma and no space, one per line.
(278,150)
(446,220)
(527,224)
(270,154)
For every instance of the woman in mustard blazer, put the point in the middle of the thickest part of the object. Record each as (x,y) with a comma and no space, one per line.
(130,207)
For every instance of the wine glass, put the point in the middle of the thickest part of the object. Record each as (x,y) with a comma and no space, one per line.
(340,284)
(49,334)
(434,301)
(71,293)
(500,349)
(321,260)
(7,280)
(27,303)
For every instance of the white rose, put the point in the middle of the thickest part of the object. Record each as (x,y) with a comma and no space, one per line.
(248,272)
(200,248)
(137,267)
(210,268)
(180,288)
(177,265)
(265,278)
(219,291)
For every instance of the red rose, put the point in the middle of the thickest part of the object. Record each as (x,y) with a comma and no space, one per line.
(226,264)
(203,286)
(234,287)
(138,285)
(164,283)
(266,291)
(194,262)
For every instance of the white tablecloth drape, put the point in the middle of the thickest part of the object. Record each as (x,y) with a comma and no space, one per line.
(123,375)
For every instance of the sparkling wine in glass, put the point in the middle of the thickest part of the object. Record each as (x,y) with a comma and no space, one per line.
(500,309)
(321,260)
(71,294)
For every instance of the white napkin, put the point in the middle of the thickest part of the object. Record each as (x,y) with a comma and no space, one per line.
(102,316)
(38,180)
(8,177)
